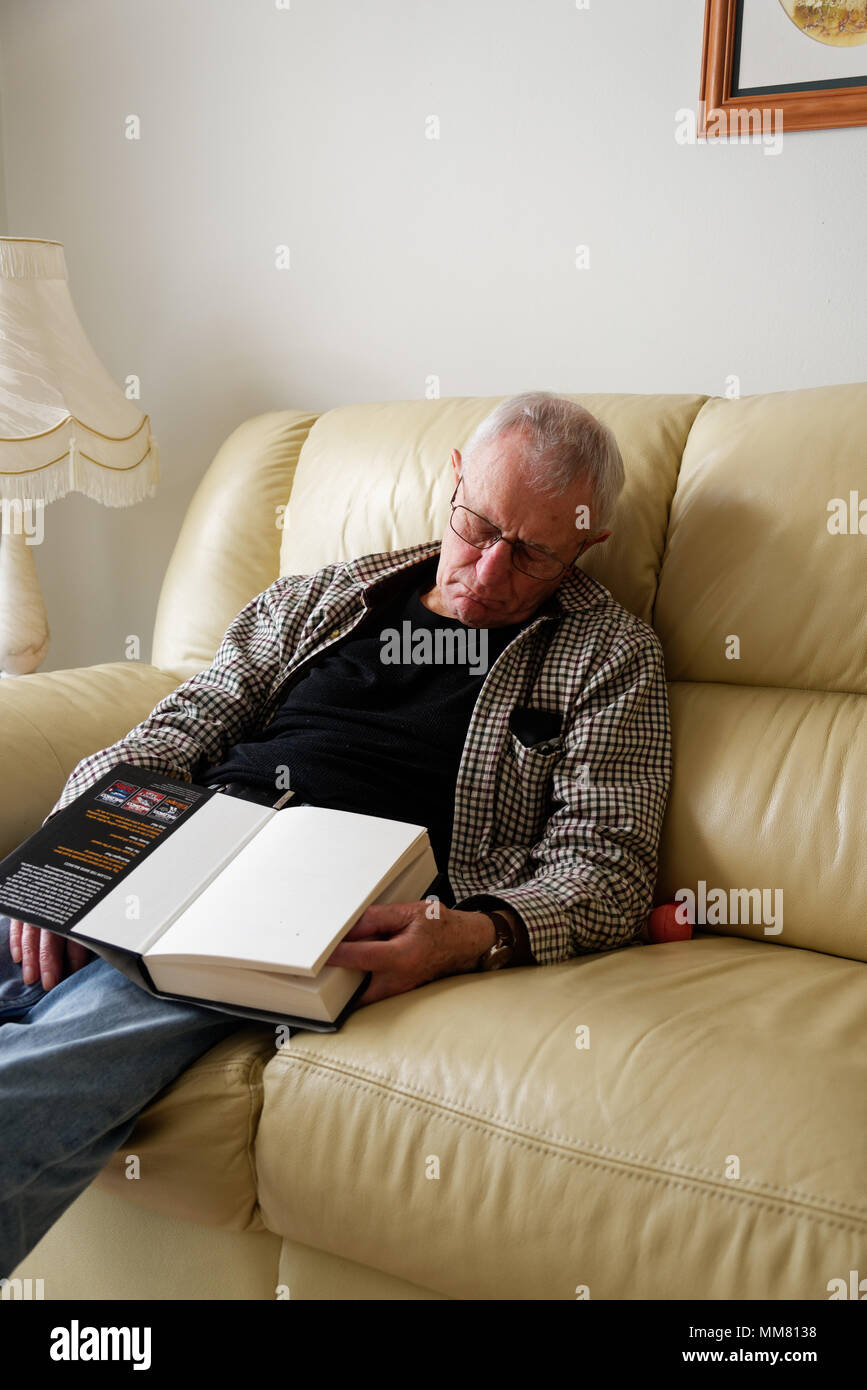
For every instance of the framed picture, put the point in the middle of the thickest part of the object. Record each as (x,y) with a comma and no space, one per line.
(806,59)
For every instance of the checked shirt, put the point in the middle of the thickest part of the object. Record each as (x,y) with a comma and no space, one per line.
(565,831)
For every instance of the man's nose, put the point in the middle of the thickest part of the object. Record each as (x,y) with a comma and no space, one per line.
(494,564)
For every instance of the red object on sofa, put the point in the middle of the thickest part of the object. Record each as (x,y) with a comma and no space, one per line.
(668,923)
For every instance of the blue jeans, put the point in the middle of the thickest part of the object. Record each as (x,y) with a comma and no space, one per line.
(78,1063)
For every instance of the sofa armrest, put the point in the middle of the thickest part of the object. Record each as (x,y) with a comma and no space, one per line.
(50,721)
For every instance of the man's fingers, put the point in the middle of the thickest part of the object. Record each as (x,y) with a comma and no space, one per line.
(77,954)
(51,953)
(44,953)
(382,919)
(363,955)
(29,952)
(41,954)
(15,938)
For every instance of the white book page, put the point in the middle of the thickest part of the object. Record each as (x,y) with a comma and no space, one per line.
(172,875)
(293,891)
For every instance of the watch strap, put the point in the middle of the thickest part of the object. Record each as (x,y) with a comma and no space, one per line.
(505,938)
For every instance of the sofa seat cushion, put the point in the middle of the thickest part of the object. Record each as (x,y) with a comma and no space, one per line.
(710,1136)
(194,1141)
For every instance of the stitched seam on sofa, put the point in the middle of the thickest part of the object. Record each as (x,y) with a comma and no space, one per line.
(34,728)
(256,1094)
(241,1071)
(184,1082)
(378,1079)
(795,689)
(188,1077)
(708,1187)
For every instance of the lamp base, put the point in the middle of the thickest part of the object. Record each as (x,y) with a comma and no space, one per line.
(24,631)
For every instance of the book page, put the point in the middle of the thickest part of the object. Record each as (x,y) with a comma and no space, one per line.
(293,891)
(137,910)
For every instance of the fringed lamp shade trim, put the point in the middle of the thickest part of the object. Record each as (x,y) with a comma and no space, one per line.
(77,471)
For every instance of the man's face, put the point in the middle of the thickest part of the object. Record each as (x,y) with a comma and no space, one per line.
(482,587)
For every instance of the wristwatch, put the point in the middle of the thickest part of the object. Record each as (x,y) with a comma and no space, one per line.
(503,949)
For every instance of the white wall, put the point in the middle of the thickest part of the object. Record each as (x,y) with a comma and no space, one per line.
(409,256)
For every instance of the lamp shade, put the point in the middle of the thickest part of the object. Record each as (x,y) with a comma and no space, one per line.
(65,424)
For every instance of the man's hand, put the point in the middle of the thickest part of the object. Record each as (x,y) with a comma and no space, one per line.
(405,948)
(45,953)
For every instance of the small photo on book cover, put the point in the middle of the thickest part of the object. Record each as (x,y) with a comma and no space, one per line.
(168,811)
(144,801)
(117,793)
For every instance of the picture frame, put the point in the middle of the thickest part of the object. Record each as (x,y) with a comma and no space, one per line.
(726,107)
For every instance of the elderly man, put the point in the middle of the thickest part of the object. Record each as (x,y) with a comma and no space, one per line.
(541,772)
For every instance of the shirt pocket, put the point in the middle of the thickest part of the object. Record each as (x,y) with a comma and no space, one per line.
(524,801)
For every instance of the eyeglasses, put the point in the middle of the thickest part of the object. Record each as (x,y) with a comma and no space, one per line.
(481,534)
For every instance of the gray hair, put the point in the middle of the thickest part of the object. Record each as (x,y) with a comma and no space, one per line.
(564,444)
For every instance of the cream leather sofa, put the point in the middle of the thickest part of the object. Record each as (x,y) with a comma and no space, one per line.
(710,1142)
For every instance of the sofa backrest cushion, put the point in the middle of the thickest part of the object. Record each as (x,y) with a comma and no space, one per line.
(228,549)
(762,614)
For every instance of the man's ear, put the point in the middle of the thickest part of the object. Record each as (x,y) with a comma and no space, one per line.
(456,463)
(595,540)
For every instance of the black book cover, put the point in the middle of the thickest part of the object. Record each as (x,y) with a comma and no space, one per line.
(61,871)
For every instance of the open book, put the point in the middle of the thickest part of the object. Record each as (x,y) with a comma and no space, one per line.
(214,899)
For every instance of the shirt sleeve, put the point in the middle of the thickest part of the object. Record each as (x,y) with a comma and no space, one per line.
(208,711)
